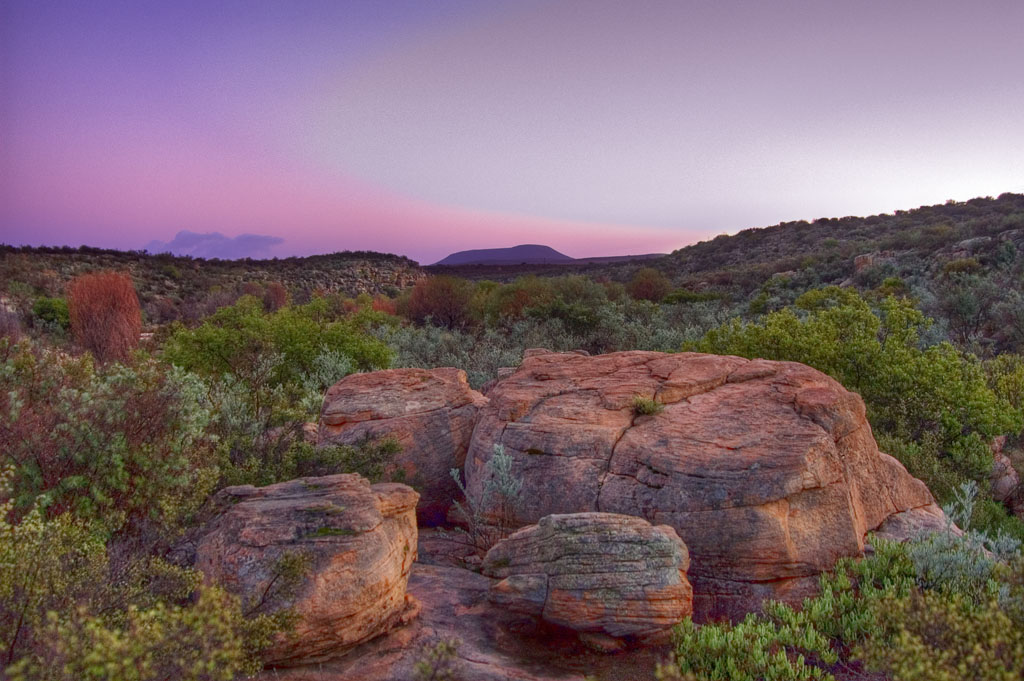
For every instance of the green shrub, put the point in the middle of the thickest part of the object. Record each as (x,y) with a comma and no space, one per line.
(491,518)
(119,445)
(936,637)
(45,565)
(753,650)
(437,662)
(207,641)
(646,406)
(295,458)
(52,311)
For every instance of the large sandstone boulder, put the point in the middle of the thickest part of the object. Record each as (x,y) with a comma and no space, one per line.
(430,412)
(359,541)
(768,471)
(594,572)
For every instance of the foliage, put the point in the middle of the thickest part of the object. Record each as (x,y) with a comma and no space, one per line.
(272,349)
(649,284)
(437,662)
(938,637)
(207,641)
(45,565)
(52,311)
(490,518)
(116,444)
(105,314)
(285,456)
(442,299)
(646,406)
(753,650)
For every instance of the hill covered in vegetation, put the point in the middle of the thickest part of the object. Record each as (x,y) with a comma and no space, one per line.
(181,287)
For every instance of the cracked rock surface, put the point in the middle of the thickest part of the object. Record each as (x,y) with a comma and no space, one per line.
(768,471)
(360,541)
(430,412)
(594,572)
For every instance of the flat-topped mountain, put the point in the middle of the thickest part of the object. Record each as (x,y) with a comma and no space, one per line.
(525,253)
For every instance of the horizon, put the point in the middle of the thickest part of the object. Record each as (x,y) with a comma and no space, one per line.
(274,129)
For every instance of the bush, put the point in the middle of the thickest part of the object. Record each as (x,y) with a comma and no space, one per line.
(292,458)
(207,641)
(491,518)
(119,445)
(443,299)
(275,296)
(935,637)
(278,364)
(753,650)
(52,311)
(105,314)
(646,406)
(437,662)
(45,565)
(648,284)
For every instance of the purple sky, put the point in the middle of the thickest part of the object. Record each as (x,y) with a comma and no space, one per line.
(426,127)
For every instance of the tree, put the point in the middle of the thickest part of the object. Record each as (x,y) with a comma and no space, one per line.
(105,314)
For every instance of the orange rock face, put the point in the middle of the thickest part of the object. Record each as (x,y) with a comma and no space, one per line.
(768,471)
(430,412)
(594,572)
(360,541)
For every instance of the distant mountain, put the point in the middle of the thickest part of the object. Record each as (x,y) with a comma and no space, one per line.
(532,254)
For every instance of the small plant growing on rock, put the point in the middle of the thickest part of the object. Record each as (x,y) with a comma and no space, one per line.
(492,518)
(437,662)
(646,406)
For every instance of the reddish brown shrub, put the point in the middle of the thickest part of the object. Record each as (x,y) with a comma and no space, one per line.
(275,296)
(649,284)
(385,305)
(105,315)
(445,300)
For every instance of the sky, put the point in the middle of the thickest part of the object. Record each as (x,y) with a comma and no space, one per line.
(423,127)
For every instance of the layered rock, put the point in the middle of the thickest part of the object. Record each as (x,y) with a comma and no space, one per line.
(594,572)
(430,412)
(358,543)
(768,471)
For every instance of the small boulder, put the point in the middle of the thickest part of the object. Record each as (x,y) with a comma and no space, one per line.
(430,412)
(600,574)
(358,542)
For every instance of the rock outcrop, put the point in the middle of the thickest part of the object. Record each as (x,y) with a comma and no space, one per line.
(430,412)
(601,573)
(494,644)
(1004,478)
(358,541)
(768,471)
